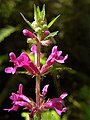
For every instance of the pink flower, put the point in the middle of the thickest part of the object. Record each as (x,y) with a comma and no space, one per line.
(54,57)
(22,61)
(19,100)
(44,90)
(33,49)
(57,104)
(46,32)
(28,33)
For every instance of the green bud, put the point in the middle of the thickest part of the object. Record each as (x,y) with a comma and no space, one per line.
(38,29)
(34,24)
(29,40)
(45,27)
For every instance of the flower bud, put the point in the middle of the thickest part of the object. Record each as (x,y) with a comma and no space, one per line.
(45,27)
(29,40)
(34,24)
(38,29)
(46,32)
(28,33)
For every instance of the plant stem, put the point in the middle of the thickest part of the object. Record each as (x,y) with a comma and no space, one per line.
(37,62)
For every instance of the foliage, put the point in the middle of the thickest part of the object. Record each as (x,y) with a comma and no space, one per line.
(5,32)
(45,115)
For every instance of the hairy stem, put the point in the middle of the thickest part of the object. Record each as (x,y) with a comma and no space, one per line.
(37,62)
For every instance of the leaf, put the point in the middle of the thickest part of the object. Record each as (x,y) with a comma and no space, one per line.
(35,13)
(7,31)
(51,23)
(26,20)
(38,12)
(51,35)
(23,72)
(60,68)
(25,115)
(50,115)
(43,12)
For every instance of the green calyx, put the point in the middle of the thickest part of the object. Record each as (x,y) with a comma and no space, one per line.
(39,25)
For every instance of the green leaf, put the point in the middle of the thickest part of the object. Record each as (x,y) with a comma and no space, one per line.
(43,12)
(51,35)
(50,115)
(51,23)
(26,20)
(23,72)
(60,68)
(7,31)
(42,60)
(38,12)
(25,115)
(35,13)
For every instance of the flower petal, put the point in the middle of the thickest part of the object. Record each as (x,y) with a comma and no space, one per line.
(54,49)
(12,56)
(20,89)
(10,70)
(14,108)
(44,90)
(62,96)
(33,49)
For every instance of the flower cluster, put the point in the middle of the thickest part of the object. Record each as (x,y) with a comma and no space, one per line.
(41,36)
(24,61)
(20,100)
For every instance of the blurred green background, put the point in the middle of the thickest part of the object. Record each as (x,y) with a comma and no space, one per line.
(73,38)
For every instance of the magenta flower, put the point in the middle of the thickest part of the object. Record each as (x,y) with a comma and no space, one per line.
(22,61)
(57,104)
(46,32)
(54,57)
(33,49)
(44,90)
(28,33)
(19,100)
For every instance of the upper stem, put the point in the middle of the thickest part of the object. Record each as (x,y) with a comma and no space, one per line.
(37,62)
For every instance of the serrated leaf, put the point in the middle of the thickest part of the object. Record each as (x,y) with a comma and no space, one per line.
(26,20)
(51,23)
(51,35)
(7,31)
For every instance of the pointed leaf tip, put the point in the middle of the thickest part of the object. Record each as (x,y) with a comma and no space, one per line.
(26,20)
(51,23)
(51,35)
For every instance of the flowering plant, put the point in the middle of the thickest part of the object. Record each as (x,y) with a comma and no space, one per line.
(40,37)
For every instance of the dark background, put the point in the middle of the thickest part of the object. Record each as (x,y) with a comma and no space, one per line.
(73,38)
